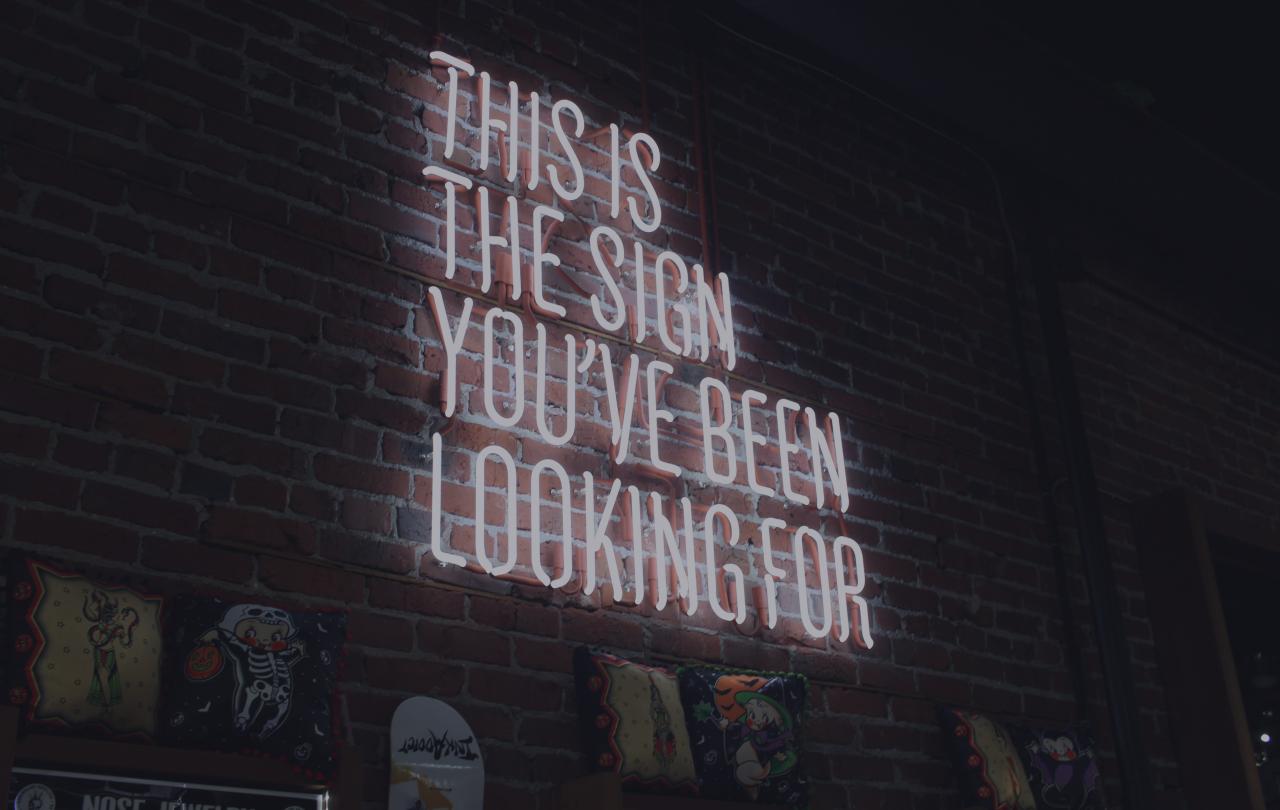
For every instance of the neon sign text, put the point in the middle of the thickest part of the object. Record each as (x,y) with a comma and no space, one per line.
(624,530)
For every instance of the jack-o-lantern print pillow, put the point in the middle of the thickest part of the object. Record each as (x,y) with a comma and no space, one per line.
(747,731)
(254,678)
(86,654)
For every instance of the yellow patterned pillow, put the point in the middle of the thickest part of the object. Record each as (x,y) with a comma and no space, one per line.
(634,723)
(87,655)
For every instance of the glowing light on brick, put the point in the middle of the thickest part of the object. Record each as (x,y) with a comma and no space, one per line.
(566,522)
(575,164)
(451,181)
(658,415)
(801,542)
(491,357)
(724,516)
(542,258)
(540,402)
(662,555)
(786,447)
(712,432)
(604,232)
(508,564)
(452,341)
(642,171)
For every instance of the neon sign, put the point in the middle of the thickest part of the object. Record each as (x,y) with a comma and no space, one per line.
(641,547)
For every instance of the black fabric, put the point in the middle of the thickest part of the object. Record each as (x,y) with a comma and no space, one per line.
(245,677)
(747,733)
(1008,766)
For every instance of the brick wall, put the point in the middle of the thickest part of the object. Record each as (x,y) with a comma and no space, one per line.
(220,367)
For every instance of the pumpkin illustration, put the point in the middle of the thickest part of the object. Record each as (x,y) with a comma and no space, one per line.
(727,688)
(203,662)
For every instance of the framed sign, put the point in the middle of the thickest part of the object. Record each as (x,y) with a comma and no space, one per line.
(40,789)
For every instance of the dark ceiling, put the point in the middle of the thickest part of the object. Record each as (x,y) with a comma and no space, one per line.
(1157,122)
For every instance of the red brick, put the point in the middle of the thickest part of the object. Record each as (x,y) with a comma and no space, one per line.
(259,529)
(263,493)
(602,627)
(281,388)
(377,630)
(406,418)
(169,359)
(381,555)
(515,689)
(31,398)
(148,466)
(350,474)
(212,337)
(31,484)
(366,515)
(266,314)
(215,405)
(416,598)
(140,509)
(181,557)
(546,656)
(415,676)
(327,366)
(77,533)
(31,441)
(132,423)
(324,431)
(99,375)
(466,643)
(378,342)
(316,580)
(253,451)
(312,502)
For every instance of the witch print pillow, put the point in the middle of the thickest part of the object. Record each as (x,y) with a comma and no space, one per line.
(254,678)
(633,722)
(747,730)
(87,655)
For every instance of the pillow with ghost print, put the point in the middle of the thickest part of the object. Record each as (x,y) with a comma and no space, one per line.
(1061,766)
(86,655)
(253,678)
(747,731)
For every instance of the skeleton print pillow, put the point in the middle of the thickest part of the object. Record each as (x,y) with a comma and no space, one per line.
(86,654)
(254,678)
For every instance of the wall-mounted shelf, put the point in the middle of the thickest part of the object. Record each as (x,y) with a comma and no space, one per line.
(133,759)
(603,791)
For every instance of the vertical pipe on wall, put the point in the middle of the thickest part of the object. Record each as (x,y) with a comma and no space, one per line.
(1046,485)
(1108,618)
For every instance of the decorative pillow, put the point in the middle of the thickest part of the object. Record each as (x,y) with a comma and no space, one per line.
(633,722)
(1061,767)
(747,729)
(87,655)
(987,760)
(253,678)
